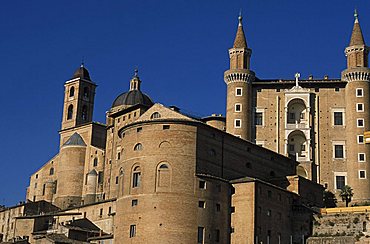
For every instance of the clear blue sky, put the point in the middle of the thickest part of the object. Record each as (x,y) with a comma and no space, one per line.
(180,47)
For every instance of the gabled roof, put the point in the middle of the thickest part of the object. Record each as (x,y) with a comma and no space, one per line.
(75,140)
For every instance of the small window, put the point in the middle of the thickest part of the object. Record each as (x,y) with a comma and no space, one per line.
(360,107)
(166,127)
(360,123)
(238,107)
(70,112)
(237,123)
(258,118)
(134,202)
(132,231)
(116,180)
(36,185)
(361,157)
(101,212)
(202,204)
(239,91)
(43,189)
(109,210)
(362,174)
(36,176)
(84,113)
(100,177)
(340,181)
(155,115)
(269,194)
(218,207)
(359,92)
(200,235)
(268,213)
(202,184)
(360,139)
(51,172)
(212,152)
(338,151)
(86,92)
(118,155)
(139,129)
(217,235)
(317,89)
(95,162)
(138,147)
(337,89)
(72,91)
(338,118)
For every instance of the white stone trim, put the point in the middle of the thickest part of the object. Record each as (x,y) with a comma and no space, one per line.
(360,109)
(359,176)
(340,143)
(358,157)
(339,174)
(358,139)
(236,91)
(362,92)
(363,123)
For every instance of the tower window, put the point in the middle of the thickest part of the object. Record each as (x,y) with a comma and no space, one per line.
(360,139)
(51,172)
(72,91)
(238,107)
(138,147)
(361,157)
(136,177)
(200,235)
(86,92)
(362,174)
(84,113)
(338,118)
(360,107)
(95,163)
(238,123)
(70,112)
(359,92)
(238,91)
(360,123)
(132,231)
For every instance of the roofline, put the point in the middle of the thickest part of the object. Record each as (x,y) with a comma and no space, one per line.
(84,124)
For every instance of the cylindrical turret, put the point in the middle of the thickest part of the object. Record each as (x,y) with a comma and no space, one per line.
(71,172)
(91,182)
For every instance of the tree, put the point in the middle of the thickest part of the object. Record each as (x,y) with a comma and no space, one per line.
(346,193)
(330,201)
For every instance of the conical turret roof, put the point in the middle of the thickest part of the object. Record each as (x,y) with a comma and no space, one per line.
(357,39)
(240,41)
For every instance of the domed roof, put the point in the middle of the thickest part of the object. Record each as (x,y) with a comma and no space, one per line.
(134,95)
(131,98)
(82,73)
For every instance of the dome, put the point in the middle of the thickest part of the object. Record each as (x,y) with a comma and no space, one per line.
(82,73)
(132,97)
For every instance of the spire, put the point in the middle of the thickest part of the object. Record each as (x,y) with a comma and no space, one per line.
(357,39)
(240,41)
(135,81)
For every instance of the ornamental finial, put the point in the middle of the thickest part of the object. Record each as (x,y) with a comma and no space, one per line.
(356,15)
(297,75)
(240,18)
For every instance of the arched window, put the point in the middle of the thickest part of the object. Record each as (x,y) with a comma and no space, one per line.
(155,115)
(86,92)
(138,147)
(72,91)
(95,163)
(84,113)
(51,172)
(136,177)
(163,176)
(70,112)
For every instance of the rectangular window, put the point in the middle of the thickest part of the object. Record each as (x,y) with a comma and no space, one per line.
(238,91)
(336,89)
(360,139)
(200,235)
(258,118)
(361,157)
(238,107)
(166,127)
(139,129)
(136,179)
(217,235)
(338,118)
(362,174)
(134,202)
(360,123)
(338,151)
(202,184)
(101,212)
(238,123)
(359,92)
(218,207)
(100,177)
(359,107)
(202,204)
(116,180)
(132,231)
(340,181)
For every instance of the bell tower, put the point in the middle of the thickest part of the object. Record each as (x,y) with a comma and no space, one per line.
(357,76)
(79,93)
(239,80)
